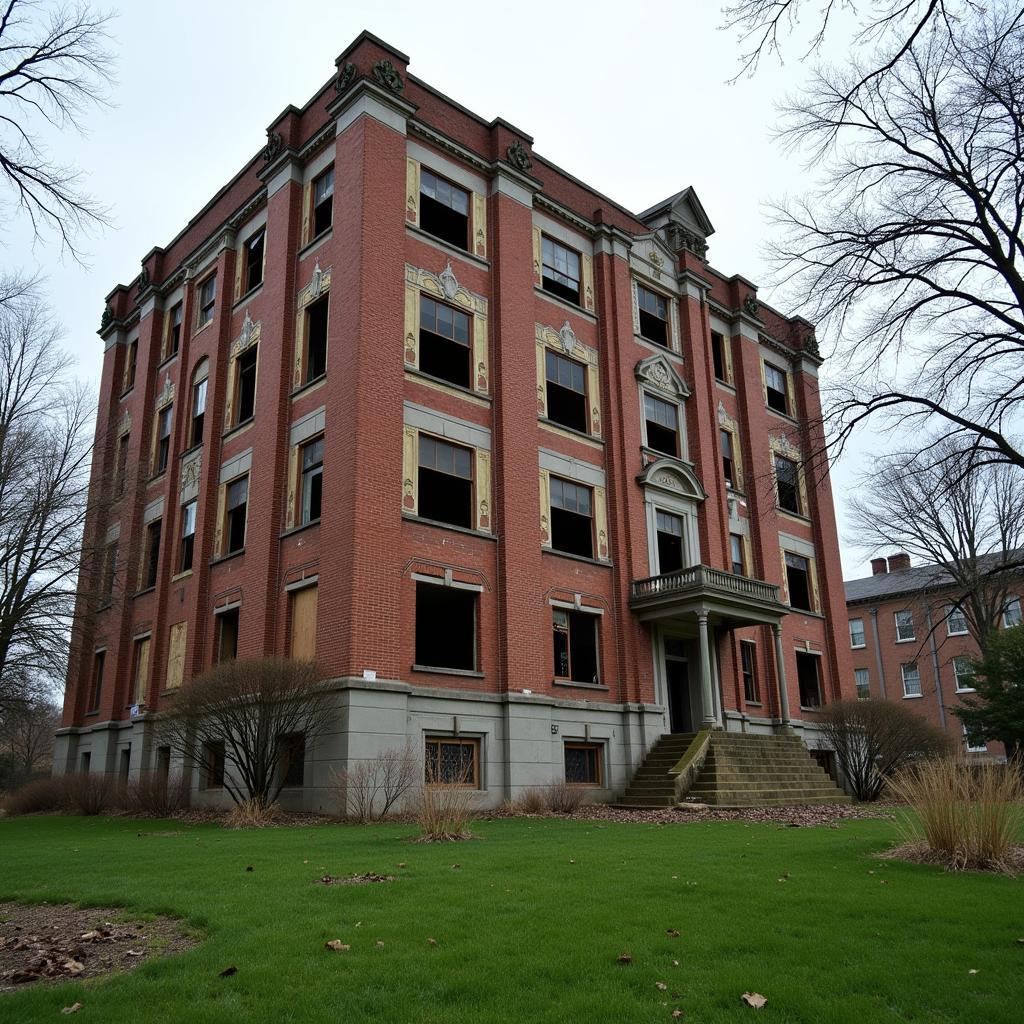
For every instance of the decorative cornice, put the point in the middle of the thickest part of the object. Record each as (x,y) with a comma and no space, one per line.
(442,141)
(544,202)
(257,202)
(680,237)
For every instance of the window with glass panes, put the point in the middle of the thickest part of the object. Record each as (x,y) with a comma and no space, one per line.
(956,621)
(725,443)
(1012,613)
(653,315)
(572,513)
(787,484)
(312,479)
(237,504)
(776,392)
(963,673)
(253,273)
(748,667)
(670,541)
(662,421)
(975,741)
(188,536)
(163,438)
(198,411)
(174,338)
(911,679)
(445,482)
(323,202)
(207,300)
(862,682)
(857,633)
(560,270)
(738,562)
(445,342)
(583,764)
(452,761)
(566,383)
(444,209)
(905,625)
(575,645)
(132,359)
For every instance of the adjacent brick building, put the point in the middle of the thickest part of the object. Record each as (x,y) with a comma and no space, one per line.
(517,467)
(910,643)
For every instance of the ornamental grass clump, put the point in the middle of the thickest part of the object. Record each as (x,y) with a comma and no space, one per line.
(445,809)
(969,816)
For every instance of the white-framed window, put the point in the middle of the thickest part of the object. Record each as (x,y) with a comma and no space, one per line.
(911,679)
(857,633)
(956,621)
(974,744)
(963,672)
(862,681)
(1012,613)
(905,626)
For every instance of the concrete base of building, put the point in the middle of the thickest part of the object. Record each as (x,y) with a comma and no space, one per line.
(521,738)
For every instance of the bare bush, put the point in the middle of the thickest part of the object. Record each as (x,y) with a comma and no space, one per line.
(873,739)
(370,790)
(156,795)
(531,801)
(969,816)
(92,793)
(562,798)
(254,814)
(40,796)
(445,810)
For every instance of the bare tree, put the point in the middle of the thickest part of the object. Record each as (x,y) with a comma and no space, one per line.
(369,790)
(247,712)
(45,449)
(909,255)
(26,741)
(960,514)
(54,65)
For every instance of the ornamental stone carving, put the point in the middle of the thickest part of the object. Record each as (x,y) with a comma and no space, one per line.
(518,157)
(107,318)
(567,337)
(316,282)
(751,306)
(811,345)
(344,77)
(166,396)
(680,237)
(190,471)
(246,329)
(449,282)
(656,262)
(275,143)
(387,75)
(144,281)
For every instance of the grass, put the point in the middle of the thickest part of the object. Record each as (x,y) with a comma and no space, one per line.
(524,934)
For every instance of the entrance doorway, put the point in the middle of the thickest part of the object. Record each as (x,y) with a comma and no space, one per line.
(677,685)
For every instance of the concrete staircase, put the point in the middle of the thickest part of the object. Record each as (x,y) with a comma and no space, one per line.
(739,770)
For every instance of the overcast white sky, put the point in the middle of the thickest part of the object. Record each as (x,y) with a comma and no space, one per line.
(631,98)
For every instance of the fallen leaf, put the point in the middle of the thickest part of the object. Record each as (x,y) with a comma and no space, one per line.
(675,963)
(455,867)
(401,864)
(73,1008)
(228,971)
(380,944)
(972,971)
(754,999)
(135,952)
(672,933)
(337,945)
(661,986)
(624,958)
(677,1013)
(781,879)
(431,942)
(73,967)
(571,861)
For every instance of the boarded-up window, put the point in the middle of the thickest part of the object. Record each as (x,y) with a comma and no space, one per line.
(304,623)
(176,655)
(141,670)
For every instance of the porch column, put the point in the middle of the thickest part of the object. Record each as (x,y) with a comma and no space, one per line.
(780,669)
(707,697)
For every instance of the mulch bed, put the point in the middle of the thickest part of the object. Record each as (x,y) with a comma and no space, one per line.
(366,879)
(59,942)
(793,817)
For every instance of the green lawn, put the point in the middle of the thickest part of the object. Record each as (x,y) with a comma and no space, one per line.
(525,934)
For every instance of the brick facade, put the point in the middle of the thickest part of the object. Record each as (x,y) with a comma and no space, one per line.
(380,128)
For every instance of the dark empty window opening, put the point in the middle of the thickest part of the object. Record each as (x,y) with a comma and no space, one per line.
(653,316)
(736,558)
(207,300)
(121,467)
(670,542)
(445,482)
(227,635)
(444,209)
(787,479)
(84,762)
(152,554)
(445,627)
(126,763)
(237,507)
(728,469)
(130,367)
(798,581)
(316,339)
(254,249)
(312,480)
(163,438)
(560,270)
(662,425)
(188,535)
(323,202)
(808,674)
(572,528)
(213,765)
(718,355)
(776,389)
(583,764)
(748,667)
(198,411)
(246,404)
(566,391)
(575,646)
(444,342)
(174,341)
(96,690)
(293,758)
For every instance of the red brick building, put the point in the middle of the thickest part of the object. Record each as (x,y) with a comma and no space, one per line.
(910,643)
(518,467)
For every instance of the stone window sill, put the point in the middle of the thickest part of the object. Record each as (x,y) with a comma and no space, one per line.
(448,671)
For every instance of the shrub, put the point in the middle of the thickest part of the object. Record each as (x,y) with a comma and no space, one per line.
(874,739)
(563,798)
(92,793)
(531,801)
(445,811)
(155,795)
(370,790)
(37,797)
(969,816)
(254,814)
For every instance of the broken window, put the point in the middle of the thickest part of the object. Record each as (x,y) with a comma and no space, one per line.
(163,437)
(725,443)
(718,356)
(798,581)
(316,339)
(444,209)
(312,479)
(566,382)
(188,535)
(560,270)
(99,662)
(445,482)
(748,667)
(323,202)
(662,425)
(207,300)
(737,561)
(808,674)
(670,542)
(253,253)
(152,554)
(653,315)
(575,645)
(445,627)
(572,529)
(787,483)
(200,382)
(237,507)
(245,385)
(227,635)
(776,388)
(445,342)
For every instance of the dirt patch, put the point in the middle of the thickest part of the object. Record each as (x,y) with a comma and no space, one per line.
(920,853)
(64,943)
(366,879)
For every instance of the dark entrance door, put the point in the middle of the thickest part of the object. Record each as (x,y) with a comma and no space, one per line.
(680,717)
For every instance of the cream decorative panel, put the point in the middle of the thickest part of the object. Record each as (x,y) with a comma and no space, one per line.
(218,535)
(412,191)
(412,324)
(601,523)
(542,389)
(484,512)
(812,569)
(636,305)
(293,483)
(165,336)
(479,227)
(537,272)
(588,282)
(566,343)
(307,212)
(239,263)
(410,469)
(748,555)
(785,581)
(545,509)
(594,397)
(166,395)
(319,284)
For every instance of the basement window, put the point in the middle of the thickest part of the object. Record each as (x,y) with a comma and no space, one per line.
(445,627)
(253,251)
(670,542)
(245,387)
(323,202)
(575,646)
(444,209)
(560,270)
(653,316)
(572,529)
(293,758)
(798,581)
(662,419)
(787,483)
(566,382)
(583,764)
(445,482)
(452,761)
(237,507)
(214,759)
(776,389)
(227,635)
(316,339)
(152,554)
(808,676)
(444,342)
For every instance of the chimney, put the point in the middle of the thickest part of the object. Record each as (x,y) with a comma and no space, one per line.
(899,562)
(878,566)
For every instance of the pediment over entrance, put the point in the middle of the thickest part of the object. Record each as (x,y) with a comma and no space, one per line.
(673,477)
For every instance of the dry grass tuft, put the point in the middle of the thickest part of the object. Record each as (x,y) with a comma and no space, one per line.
(968,815)
(563,798)
(444,812)
(255,814)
